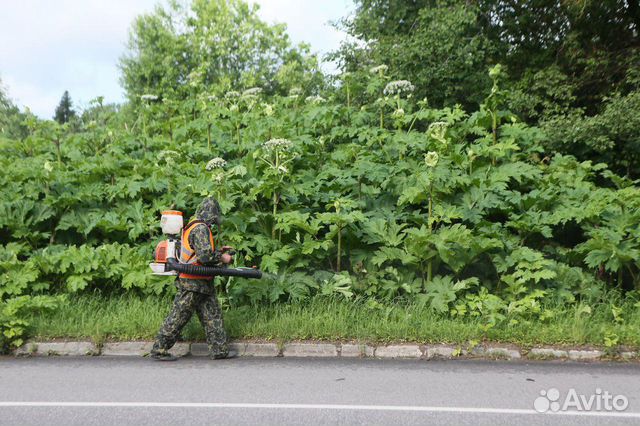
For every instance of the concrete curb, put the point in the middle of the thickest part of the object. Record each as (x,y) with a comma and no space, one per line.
(126,348)
(58,349)
(398,351)
(328,350)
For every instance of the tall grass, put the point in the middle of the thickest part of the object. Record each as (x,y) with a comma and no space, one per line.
(130,317)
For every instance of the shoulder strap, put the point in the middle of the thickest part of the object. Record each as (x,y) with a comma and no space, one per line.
(186,233)
(194,222)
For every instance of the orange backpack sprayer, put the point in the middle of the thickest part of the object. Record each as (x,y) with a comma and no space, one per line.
(172,255)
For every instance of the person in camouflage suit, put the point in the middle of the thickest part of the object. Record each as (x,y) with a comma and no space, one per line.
(198,295)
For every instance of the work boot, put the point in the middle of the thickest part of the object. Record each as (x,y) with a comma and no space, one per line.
(231,354)
(162,356)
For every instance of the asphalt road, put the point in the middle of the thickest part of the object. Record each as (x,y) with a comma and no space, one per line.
(279,391)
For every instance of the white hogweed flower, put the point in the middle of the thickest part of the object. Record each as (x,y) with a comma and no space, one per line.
(380,69)
(398,87)
(216,163)
(232,94)
(431,159)
(212,98)
(279,145)
(149,97)
(254,91)
(315,100)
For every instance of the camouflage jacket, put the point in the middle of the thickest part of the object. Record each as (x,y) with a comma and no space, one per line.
(207,255)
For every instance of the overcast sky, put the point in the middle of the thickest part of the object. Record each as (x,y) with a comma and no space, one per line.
(48,46)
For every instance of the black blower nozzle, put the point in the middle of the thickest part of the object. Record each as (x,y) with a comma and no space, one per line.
(212,271)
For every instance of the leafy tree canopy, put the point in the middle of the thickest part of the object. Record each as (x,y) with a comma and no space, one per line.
(438,45)
(180,48)
(575,58)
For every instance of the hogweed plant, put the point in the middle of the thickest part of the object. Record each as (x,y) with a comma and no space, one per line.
(251,98)
(171,115)
(277,154)
(210,105)
(216,166)
(423,105)
(233,99)
(295,93)
(399,88)
(472,222)
(346,81)
(147,99)
(167,159)
(493,102)
(431,161)
(252,93)
(344,215)
(315,100)
(294,100)
(380,70)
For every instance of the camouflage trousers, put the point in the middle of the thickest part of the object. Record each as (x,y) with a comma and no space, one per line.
(209,313)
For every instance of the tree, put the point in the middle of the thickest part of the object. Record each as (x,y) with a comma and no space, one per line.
(574,70)
(437,45)
(593,43)
(64,110)
(223,43)
(566,61)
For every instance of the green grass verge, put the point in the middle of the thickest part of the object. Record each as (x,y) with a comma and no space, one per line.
(129,317)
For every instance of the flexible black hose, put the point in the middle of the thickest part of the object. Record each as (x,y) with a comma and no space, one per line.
(212,271)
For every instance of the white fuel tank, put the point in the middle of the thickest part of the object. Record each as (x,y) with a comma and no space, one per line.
(171,222)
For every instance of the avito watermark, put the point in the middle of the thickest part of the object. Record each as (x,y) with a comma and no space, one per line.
(600,400)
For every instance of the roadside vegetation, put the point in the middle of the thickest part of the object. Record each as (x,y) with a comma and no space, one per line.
(128,317)
(377,210)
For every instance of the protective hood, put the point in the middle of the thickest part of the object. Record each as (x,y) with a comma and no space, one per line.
(209,211)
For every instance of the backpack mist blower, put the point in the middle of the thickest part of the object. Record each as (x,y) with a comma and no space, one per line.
(169,262)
